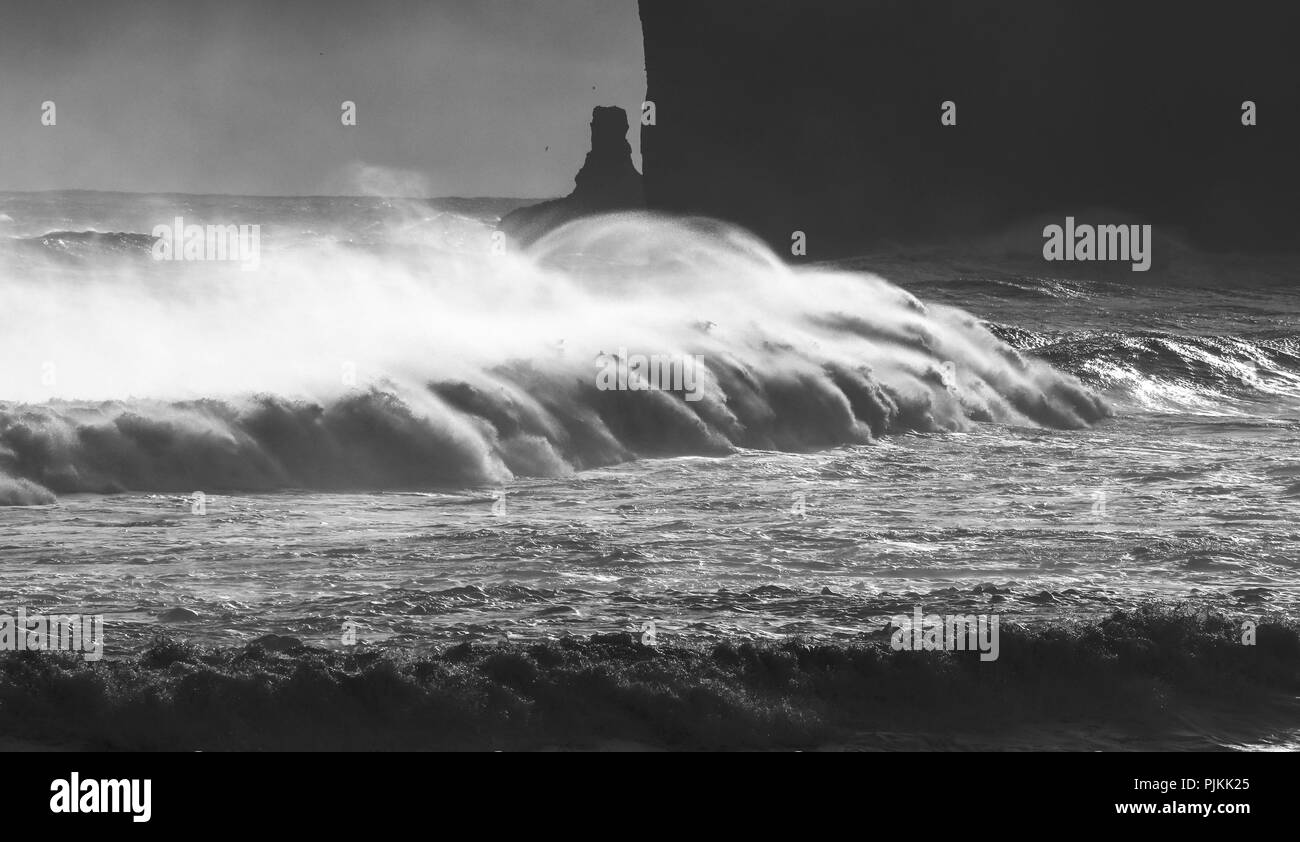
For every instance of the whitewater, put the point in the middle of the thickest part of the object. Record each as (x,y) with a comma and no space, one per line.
(397,429)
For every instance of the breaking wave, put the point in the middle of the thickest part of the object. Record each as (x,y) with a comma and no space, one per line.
(1164,370)
(336,366)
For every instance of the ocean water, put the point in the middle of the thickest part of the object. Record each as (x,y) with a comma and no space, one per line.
(396,431)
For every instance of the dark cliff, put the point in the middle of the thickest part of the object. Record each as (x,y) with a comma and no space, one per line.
(608,181)
(824,116)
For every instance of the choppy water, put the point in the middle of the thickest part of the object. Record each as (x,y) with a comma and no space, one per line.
(1189,492)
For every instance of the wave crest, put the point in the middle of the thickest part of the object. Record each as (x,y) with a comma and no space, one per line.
(473,368)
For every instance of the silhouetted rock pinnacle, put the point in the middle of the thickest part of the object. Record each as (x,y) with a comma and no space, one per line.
(608,181)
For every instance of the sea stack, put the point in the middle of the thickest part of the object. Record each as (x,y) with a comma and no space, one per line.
(607,182)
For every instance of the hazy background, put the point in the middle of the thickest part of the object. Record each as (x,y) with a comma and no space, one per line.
(243,96)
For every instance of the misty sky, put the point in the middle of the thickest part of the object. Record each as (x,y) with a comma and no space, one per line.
(454,97)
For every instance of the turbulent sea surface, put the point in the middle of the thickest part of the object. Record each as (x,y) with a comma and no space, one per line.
(396,428)
(365,491)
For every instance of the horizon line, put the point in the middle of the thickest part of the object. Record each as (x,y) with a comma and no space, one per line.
(282,195)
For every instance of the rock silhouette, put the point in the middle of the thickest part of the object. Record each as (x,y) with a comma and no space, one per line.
(608,181)
(824,117)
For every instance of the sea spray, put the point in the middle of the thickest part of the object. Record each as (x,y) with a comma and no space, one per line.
(412,365)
